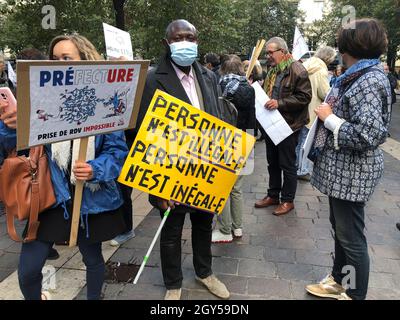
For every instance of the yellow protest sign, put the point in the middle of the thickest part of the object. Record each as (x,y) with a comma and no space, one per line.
(186,155)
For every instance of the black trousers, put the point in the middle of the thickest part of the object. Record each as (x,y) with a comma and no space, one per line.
(171,251)
(282,159)
(127,206)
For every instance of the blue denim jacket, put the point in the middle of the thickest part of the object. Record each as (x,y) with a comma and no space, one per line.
(110,153)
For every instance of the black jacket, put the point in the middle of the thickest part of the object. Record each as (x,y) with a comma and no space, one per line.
(393,85)
(164,78)
(244,101)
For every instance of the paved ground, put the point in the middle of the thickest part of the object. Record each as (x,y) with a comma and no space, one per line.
(277,256)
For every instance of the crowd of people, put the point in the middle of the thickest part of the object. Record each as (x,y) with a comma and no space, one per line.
(353,107)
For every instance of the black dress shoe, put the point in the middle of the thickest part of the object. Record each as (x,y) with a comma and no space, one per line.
(53,254)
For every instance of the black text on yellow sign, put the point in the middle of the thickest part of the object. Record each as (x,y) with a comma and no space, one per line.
(186,155)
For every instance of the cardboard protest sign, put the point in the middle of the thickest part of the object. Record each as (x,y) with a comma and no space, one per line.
(118,42)
(184,154)
(64,100)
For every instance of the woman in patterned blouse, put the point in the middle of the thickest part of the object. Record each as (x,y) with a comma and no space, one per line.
(347,160)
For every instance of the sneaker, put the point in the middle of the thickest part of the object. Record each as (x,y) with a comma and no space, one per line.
(327,288)
(219,237)
(122,238)
(46,295)
(344,296)
(215,286)
(53,254)
(305,177)
(174,294)
(238,233)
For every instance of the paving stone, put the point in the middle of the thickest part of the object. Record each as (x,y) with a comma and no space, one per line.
(225,265)
(264,240)
(290,271)
(9,260)
(281,255)
(383,280)
(385,251)
(236,251)
(142,292)
(4,273)
(295,243)
(257,268)
(269,287)
(314,257)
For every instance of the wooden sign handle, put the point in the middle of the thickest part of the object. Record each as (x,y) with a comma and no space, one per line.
(76,212)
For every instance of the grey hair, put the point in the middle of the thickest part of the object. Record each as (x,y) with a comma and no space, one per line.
(280,43)
(326,54)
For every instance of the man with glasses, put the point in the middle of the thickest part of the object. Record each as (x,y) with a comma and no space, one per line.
(288,86)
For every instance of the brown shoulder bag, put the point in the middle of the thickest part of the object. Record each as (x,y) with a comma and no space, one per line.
(26,190)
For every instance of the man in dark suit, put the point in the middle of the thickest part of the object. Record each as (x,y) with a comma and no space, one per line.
(180,75)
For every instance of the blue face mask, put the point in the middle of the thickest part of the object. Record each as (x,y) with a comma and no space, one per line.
(184,53)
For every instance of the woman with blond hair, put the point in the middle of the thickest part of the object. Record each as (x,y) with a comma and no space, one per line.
(101,215)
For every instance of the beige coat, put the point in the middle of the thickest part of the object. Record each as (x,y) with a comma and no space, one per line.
(318,74)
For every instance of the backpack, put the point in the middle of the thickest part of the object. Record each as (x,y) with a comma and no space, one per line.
(229,111)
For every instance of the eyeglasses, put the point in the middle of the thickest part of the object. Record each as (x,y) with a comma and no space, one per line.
(270,53)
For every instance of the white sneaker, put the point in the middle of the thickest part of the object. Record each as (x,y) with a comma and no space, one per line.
(219,237)
(122,238)
(238,233)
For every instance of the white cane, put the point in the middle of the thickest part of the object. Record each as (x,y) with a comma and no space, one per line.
(146,257)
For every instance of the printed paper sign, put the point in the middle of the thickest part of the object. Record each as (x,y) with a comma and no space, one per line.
(72,100)
(118,42)
(186,155)
(271,120)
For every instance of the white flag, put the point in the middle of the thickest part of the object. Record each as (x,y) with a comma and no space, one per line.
(300,46)
(11,74)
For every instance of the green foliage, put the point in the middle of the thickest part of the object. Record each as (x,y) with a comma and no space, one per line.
(385,10)
(225,26)
(22,24)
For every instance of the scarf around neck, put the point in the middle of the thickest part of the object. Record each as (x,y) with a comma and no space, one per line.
(272,74)
(230,83)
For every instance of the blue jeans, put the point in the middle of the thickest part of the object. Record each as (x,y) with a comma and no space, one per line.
(306,166)
(33,257)
(351,249)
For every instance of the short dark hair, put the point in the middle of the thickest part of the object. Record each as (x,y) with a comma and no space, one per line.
(180,23)
(368,40)
(31,54)
(212,58)
(232,64)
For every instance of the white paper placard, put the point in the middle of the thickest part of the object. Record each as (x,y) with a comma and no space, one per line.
(118,42)
(271,120)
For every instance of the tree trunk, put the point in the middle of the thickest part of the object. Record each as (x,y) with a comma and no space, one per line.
(391,56)
(119,14)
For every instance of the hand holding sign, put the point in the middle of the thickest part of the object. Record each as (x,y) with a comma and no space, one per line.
(82,171)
